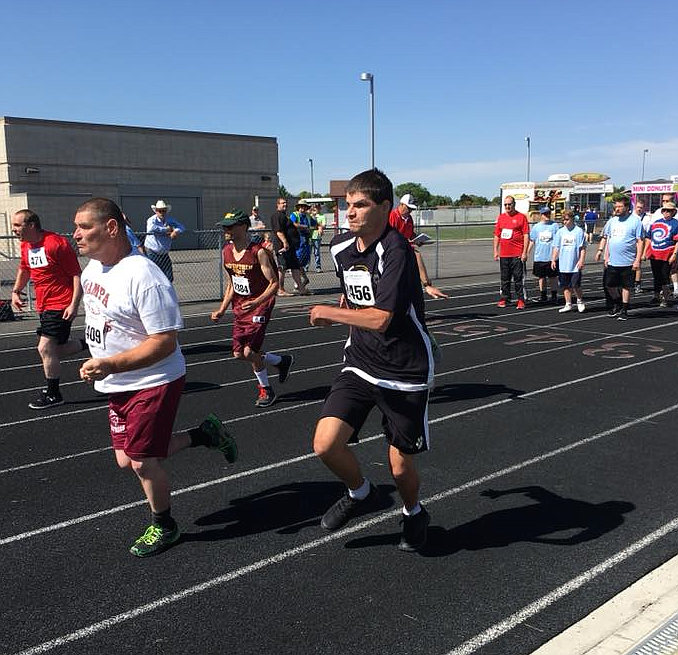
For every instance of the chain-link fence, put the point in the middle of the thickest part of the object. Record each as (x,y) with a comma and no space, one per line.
(454,250)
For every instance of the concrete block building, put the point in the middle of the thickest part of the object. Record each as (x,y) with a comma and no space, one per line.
(53,166)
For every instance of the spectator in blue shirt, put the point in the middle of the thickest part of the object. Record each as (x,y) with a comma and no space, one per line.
(161,230)
(590,219)
(622,243)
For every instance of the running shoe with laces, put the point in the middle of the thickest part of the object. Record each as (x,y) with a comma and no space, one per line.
(502,303)
(414,531)
(155,540)
(45,400)
(622,315)
(346,508)
(614,311)
(220,438)
(284,368)
(567,307)
(520,304)
(581,306)
(265,397)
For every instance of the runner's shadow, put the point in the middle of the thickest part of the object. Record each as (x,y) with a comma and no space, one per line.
(207,348)
(196,387)
(451,392)
(551,520)
(285,509)
(314,393)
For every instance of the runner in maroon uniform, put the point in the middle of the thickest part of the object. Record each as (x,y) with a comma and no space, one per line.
(251,290)
(48,260)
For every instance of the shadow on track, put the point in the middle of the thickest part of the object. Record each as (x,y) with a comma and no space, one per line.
(286,509)
(448,393)
(314,393)
(551,514)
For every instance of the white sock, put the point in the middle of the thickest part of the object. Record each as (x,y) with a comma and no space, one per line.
(412,512)
(361,492)
(272,358)
(262,377)
(675,287)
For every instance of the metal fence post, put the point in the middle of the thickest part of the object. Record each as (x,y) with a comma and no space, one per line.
(437,251)
(221,268)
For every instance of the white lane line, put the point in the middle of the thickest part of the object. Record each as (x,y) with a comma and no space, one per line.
(488,635)
(62,458)
(275,465)
(512,621)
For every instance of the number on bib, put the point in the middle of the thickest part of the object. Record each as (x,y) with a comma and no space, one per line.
(241,285)
(37,258)
(506,233)
(358,285)
(95,332)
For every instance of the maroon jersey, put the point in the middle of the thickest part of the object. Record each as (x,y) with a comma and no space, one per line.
(247,278)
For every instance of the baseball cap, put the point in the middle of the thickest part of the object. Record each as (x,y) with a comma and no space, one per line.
(408,200)
(544,210)
(234,217)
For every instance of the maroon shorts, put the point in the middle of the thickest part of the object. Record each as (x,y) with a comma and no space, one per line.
(250,330)
(141,421)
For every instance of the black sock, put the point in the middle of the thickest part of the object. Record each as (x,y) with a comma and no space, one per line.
(83,344)
(164,519)
(52,386)
(543,295)
(554,294)
(625,306)
(199,438)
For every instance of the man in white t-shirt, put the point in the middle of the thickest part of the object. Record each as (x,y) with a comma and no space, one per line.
(646,219)
(131,321)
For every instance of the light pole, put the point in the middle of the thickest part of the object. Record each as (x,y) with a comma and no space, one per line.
(642,170)
(527,139)
(368,77)
(310,161)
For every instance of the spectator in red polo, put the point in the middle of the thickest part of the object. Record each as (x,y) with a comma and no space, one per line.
(400,219)
(510,242)
(48,260)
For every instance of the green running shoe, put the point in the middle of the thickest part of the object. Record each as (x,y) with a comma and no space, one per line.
(220,439)
(155,540)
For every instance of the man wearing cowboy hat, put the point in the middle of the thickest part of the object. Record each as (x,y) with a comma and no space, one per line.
(161,230)
(400,218)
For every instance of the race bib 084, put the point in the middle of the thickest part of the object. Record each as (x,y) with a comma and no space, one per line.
(37,258)
(241,285)
(358,285)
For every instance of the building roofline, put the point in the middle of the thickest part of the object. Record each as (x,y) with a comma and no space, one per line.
(9,120)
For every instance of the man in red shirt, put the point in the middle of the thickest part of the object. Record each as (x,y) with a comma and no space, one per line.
(510,242)
(400,218)
(48,260)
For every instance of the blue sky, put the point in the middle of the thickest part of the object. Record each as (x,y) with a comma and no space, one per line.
(458,85)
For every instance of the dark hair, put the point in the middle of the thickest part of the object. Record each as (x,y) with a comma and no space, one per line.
(102,209)
(624,200)
(30,217)
(374,184)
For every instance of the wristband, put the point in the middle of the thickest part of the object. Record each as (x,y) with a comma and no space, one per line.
(15,291)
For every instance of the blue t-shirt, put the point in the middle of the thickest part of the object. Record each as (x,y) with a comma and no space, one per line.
(542,235)
(569,244)
(622,233)
(590,217)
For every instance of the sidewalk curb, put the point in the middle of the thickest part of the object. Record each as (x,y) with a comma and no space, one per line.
(623,621)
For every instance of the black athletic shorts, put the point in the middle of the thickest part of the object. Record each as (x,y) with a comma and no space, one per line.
(569,280)
(590,227)
(53,325)
(404,413)
(620,276)
(543,269)
(287,261)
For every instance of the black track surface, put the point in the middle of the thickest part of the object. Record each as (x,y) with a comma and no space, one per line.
(513,518)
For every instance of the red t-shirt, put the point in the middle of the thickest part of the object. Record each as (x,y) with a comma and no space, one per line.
(52,264)
(510,230)
(404,225)
(247,278)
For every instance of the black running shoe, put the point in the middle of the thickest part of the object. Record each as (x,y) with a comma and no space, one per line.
(414,531)
(614,310)
(346,508)
(284,368)
(622,315)
(266,397)
(44,401)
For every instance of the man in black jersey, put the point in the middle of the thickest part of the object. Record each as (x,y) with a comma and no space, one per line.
(388,361)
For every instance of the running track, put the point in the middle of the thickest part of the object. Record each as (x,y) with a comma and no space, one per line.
(551,485)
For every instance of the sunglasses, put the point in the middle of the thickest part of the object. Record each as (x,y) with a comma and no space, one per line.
(509,204)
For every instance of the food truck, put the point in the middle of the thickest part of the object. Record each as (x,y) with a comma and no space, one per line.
(651,191)
(561,191)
